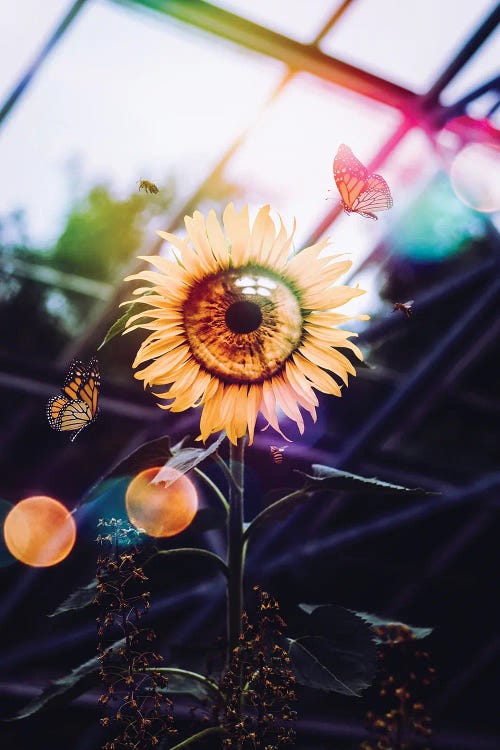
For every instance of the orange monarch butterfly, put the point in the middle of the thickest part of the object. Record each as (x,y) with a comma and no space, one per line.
(277,453)
(77,407)
(360,192)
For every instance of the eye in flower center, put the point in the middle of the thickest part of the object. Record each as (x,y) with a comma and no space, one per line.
(243,317)
(242,324)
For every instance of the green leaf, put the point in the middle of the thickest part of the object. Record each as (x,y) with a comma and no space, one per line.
(328,478)
(375,621)
(66,688)
(338,654)
(312,657)
(181,681)
(120,325)
(153,453)
(79,599)
(278,510)
(186,459)
(109,491)
(202,554)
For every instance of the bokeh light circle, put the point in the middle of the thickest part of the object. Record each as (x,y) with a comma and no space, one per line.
(475,176)
(163,509)
(39,531)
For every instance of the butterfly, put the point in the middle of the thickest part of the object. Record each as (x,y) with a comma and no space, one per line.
(76,408)
(360,192)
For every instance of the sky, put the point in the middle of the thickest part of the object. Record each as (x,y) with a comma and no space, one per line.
(128,95)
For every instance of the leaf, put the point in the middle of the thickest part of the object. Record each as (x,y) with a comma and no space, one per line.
(313,664)
(66,688)
(181,681)
(375,621)
(339,655)
(153,453)
(328,478)
(120,325)
(109,491)
(185,460)
(278,510)
(82,597)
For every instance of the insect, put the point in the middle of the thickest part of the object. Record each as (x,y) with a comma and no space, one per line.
(360,192)
(404,307)
(277,453)
(148,187)
(76,408)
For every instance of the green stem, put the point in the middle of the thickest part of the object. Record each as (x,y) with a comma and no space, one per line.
(236,545)
(186,673)
(224,468)
(195,552)
(199,736)
(219,494)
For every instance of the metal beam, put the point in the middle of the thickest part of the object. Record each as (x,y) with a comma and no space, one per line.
(70,282)
(28,76)
(381,525)
(301,57)
(430,99)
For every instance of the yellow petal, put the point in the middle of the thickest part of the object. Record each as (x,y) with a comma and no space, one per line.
(217,240)
(238,231)
(319,378)
(253,405)
(263,236)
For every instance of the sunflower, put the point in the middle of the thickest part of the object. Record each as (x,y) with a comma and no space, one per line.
(240,324)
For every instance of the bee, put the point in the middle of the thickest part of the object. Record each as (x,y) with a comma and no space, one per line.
(277,453)
(148,187)
(404,307)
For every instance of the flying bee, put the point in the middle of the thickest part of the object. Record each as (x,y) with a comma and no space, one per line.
(404,307)
(148,187)
(277,453)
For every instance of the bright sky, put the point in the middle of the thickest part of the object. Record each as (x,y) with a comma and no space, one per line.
(132,95)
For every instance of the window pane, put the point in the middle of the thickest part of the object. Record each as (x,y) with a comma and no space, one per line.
(125,114)
(24,29)
(288,159)
(408,43)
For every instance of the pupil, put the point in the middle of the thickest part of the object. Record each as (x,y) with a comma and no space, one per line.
(243,317)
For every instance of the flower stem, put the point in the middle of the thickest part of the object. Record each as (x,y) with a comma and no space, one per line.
(206,681)
(198,736)
(236,545)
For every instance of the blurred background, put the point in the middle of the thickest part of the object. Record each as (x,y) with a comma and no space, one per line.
(248,100)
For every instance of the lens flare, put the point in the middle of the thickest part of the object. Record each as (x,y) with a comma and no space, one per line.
(163,509)
(475,176)
(39,531)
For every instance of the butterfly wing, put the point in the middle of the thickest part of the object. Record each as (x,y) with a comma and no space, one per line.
(77,407)
(74,417)
(88,391)
(375,196)
(54,407)
(350,176)
(74,379)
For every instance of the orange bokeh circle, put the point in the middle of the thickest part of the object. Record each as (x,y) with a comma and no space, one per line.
(39,531)
(163,509)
